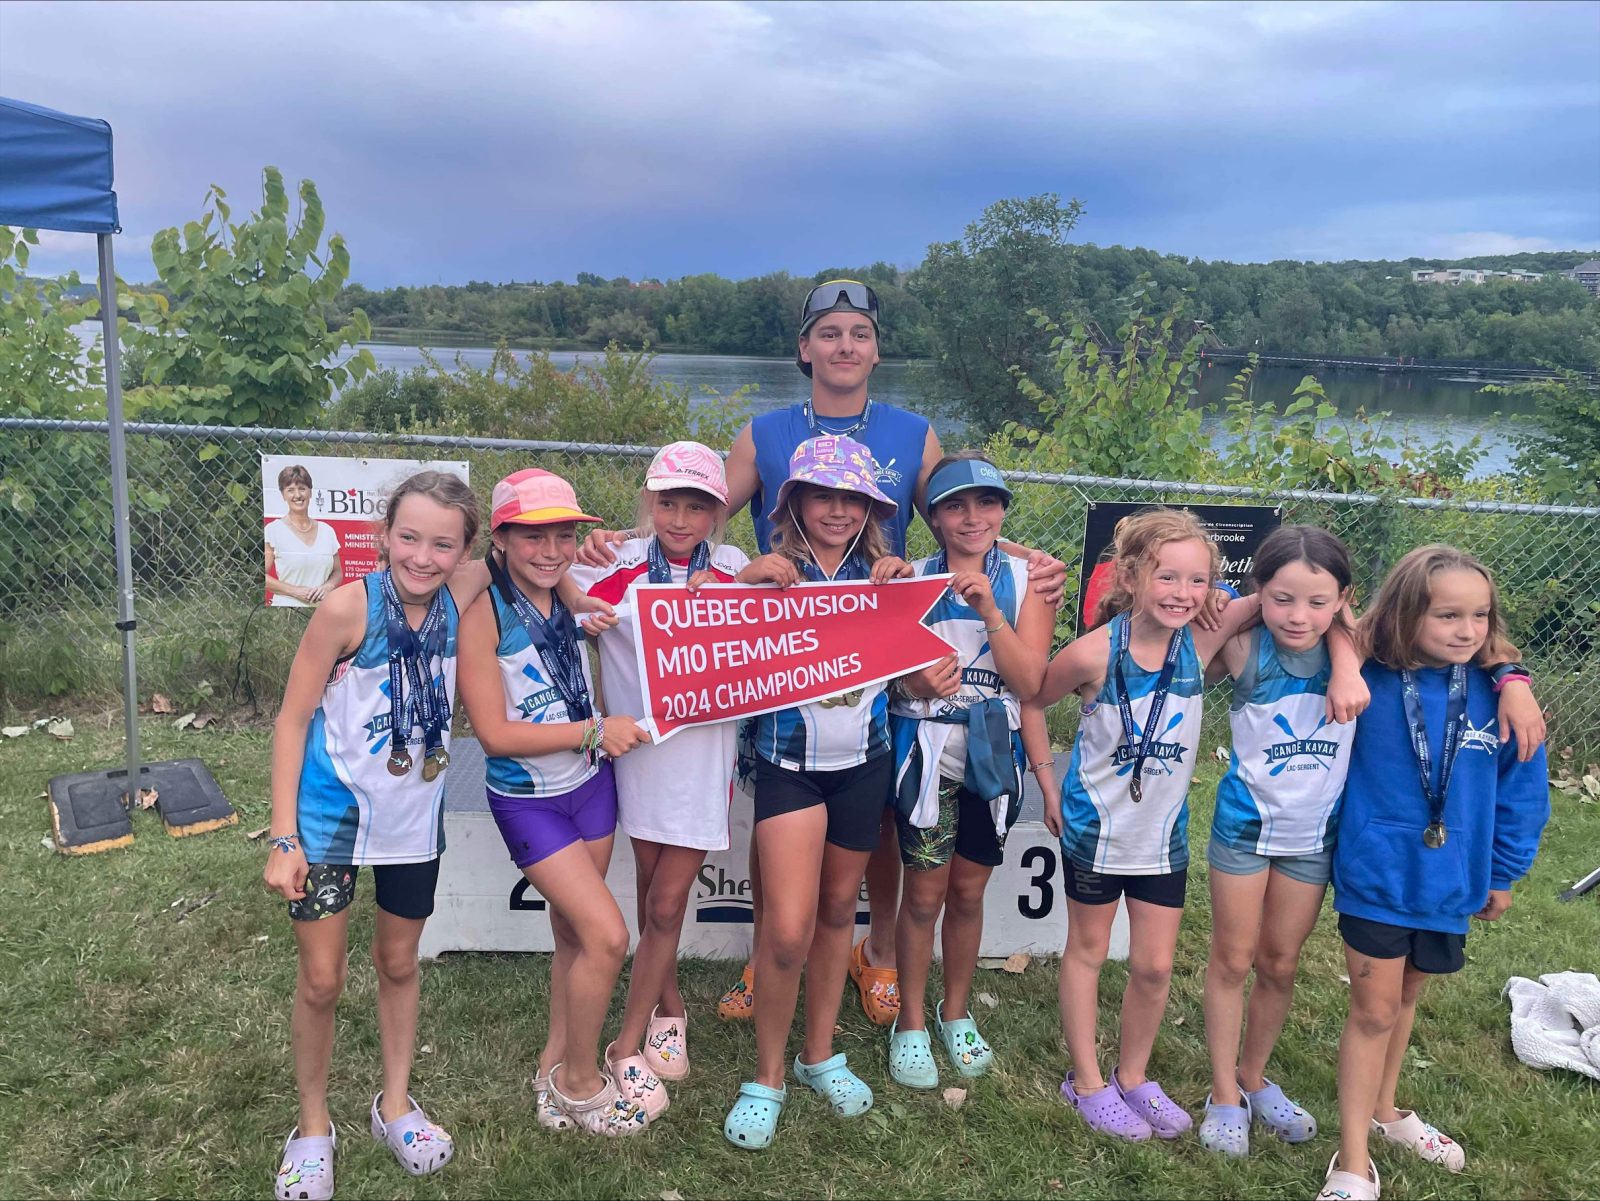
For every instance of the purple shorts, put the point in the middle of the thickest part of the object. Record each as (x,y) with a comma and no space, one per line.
(535,828)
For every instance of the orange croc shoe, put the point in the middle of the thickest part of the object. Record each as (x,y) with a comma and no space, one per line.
(738,1004)
(880,986)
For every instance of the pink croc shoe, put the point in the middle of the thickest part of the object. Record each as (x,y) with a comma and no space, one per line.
(666,1046)
(419,1145)
(546,1112)
(608,1113)
(637,1082)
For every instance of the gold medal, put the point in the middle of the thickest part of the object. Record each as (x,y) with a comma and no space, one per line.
(1433,837)
(433,764)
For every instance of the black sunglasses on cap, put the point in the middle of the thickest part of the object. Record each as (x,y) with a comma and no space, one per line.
(835,294)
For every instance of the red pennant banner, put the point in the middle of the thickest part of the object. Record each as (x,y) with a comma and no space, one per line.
(734,650)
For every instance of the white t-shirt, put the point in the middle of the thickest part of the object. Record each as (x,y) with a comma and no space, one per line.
(296,563)
(675,793)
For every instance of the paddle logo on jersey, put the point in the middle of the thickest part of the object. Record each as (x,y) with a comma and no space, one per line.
(1483,737)
(1164,753)
(1316,751)
(535,703)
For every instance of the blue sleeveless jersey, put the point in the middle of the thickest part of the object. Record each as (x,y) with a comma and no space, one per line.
(1104,830)
(895,437)
(1286,774)
(349,808)
(531,695)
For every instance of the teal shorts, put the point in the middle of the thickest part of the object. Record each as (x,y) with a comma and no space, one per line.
(1308,869)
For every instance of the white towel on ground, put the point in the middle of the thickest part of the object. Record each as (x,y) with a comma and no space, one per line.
(1555,1021)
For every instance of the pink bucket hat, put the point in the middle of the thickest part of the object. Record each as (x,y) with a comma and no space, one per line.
(534,497)
(834,461)
(687,465)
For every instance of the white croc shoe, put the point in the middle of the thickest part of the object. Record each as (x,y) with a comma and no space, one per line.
(1347,1186)
(1410,1131)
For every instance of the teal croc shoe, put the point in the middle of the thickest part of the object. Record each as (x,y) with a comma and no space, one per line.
(753,1120)
(845,1091)
(911,1058)
(969,1051)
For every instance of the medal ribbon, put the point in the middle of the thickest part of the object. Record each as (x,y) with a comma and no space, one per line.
(661,570)
(555,638)
(1454,718)
(416,695)
(1139,747)
(993,562)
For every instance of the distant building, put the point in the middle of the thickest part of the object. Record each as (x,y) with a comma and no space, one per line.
(1588,275)
(1472,275)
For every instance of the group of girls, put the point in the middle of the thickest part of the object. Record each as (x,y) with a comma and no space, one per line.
(362,746)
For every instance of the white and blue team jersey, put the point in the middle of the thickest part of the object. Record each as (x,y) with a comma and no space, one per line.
(828,735)
(1280,796)
(350,809)
(960,625)
(1103,829)
(532,696)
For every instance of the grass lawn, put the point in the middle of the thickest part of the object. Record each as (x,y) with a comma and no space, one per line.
(146,1054)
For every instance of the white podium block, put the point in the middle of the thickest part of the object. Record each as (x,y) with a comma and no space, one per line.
(484,903)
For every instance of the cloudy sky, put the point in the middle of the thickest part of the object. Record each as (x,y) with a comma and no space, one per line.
(536,140)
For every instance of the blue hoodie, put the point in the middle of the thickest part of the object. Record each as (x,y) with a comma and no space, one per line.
(1494,812)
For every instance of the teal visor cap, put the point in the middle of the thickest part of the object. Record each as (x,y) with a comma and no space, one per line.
(964,475)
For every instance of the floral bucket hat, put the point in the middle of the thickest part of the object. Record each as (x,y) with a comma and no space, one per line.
(834,461)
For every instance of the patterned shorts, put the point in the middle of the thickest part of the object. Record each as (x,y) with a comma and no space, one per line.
(404,889)
(965,827)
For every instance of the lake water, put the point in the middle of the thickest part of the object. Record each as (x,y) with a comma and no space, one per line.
(1423,406)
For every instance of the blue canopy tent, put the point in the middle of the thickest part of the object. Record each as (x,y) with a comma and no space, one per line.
(56,173)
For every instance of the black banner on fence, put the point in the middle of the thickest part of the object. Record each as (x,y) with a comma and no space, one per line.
(1236,529)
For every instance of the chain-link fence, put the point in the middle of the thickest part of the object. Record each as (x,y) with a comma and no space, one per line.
(206,640)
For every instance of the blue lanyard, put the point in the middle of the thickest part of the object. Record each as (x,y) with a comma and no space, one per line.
(993,563)
(555,639)
(1139,748)
(661,570)
(853,568)
(816,428)
(1455,712)
(416,695)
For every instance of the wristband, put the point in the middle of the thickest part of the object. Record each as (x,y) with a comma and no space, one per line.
(1503,673)
(284,842)
(995,629)
(1036,768)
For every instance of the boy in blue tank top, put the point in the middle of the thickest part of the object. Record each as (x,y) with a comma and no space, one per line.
(837,350)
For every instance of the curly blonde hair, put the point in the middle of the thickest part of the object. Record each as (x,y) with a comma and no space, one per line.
(1387,632)
(1135,544)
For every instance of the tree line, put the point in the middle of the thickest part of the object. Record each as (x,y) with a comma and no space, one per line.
(1343,308)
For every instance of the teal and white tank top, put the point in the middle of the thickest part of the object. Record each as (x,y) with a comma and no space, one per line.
(350,809)
(1286,774)
(1104,829)
(532,696)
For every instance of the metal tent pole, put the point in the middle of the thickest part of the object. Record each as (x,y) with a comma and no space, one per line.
(119,508)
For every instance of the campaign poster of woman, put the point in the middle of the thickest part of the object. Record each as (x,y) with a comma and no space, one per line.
(321,516)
